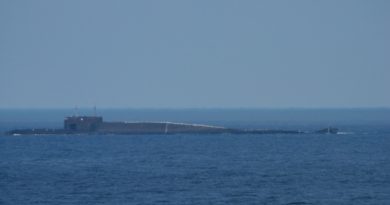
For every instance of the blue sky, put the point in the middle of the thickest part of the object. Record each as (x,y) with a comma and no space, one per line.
(194,54)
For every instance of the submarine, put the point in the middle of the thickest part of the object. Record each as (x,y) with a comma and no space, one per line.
(96,125)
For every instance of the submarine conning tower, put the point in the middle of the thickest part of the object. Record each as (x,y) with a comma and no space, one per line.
(82,123)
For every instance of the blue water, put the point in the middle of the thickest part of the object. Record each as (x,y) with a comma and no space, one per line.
(350,168)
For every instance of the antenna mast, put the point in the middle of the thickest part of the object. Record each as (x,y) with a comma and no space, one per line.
(76,109)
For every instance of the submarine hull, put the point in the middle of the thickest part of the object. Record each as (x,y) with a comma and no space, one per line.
(96,125)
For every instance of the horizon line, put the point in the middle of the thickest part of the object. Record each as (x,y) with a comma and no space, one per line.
(193,108)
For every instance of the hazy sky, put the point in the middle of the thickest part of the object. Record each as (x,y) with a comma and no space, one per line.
(199,54)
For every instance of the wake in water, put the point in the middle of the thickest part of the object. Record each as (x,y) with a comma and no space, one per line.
(345,133)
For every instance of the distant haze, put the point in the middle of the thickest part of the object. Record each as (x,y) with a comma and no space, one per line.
(201,54)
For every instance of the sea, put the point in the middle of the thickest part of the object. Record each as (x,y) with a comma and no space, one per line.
(351,167)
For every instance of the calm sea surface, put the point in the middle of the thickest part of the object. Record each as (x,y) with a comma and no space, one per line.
(348,168)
